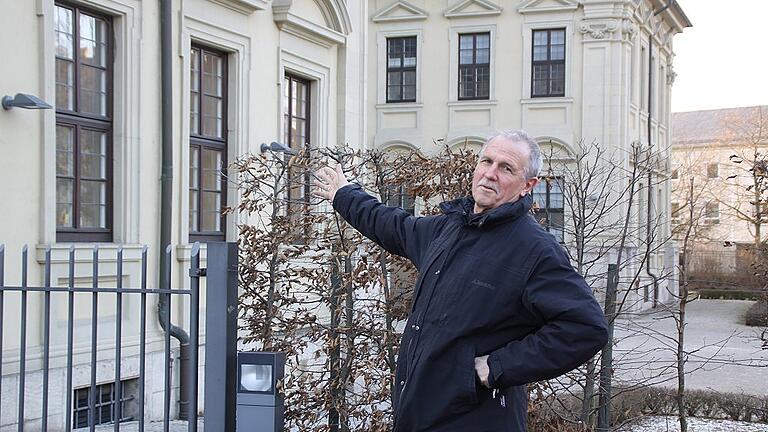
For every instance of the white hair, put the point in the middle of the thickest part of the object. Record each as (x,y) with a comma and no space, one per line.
(520,136)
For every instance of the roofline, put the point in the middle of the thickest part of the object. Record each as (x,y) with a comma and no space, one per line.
(721,109)
(673,10)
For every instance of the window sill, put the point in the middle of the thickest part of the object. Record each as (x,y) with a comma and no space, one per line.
(547,100)
(400,105)
(473,102)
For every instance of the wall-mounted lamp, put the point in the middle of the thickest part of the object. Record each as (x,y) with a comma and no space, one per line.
(26,101)
(276,147)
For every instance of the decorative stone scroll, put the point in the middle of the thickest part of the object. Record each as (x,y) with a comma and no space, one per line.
(598,29)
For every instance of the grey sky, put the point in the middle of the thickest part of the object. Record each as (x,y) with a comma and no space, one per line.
(722,61)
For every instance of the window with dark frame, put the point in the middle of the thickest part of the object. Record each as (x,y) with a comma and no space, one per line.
(83,74)
(474,66)
(712,212)
(207,144)
(550,212)
(296,133)
(713,170)
(675,212)
(548,63)
(398,196)
(105,404)
(401,69)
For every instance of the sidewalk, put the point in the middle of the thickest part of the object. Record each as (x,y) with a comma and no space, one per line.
(725,354)
(175,426)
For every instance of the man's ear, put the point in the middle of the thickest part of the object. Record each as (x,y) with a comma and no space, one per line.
(529,185)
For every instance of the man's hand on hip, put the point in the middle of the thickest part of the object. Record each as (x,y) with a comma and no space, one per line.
(482,369)
(328,182)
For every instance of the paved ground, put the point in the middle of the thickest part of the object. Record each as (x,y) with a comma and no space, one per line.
(175,426)
(670,424)
(725,354)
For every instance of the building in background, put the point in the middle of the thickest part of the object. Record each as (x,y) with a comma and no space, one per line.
(308,73)
(720,155)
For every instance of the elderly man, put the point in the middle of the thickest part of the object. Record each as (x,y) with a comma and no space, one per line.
(497,303)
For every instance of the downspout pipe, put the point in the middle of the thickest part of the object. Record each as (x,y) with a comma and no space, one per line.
(648,236)
(166,189)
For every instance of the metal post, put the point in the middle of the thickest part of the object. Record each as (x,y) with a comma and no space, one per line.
(70,335)
(23,341)
(606,360)
(143,338)
(46,336)
(92,416)
(221,337)
(118,341)
(2,283)
(194,337)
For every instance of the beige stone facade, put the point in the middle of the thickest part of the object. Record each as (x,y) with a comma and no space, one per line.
(337,50)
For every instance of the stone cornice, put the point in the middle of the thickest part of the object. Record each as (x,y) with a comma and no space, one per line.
(245,7)
(305,29)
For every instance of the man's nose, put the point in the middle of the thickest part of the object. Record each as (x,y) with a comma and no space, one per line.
(492,172)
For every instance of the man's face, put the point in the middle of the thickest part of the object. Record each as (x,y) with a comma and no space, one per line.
(500,174)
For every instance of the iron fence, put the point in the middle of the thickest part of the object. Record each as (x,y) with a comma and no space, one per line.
(119,291)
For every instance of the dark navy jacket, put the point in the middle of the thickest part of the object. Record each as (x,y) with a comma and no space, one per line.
(493,283)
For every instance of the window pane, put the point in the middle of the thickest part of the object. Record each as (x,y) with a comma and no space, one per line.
(194,167)
(64,199)
(93,90)
(93,154)
(466,42)
(93,40)
(556,224)
(539,53)
(211,169)
(64,151)
(211,211)
(194,114)
(298,133)
(93,200)
(557,83)
(483,56)
(65,85)
(483,41)
(540,38)
(465,56)
(394,63)
(409,61)
(63,41)
(409,78)
(193,211)
(394,93)
(301,100)
(483,81)
(212,116)
(212,84)
(557,52)
(393,78)
(557,37)
(409,93)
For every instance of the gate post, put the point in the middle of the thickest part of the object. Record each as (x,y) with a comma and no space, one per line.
(221,337)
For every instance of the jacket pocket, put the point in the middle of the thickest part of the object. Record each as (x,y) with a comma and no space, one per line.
(467,376)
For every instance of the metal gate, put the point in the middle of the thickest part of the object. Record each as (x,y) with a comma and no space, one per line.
(121,293)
